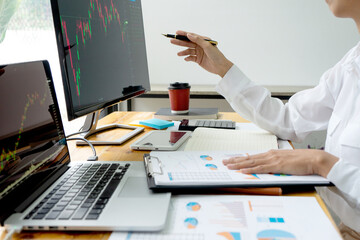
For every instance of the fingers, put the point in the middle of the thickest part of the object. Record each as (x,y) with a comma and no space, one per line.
(234,160)
(199,40)
(251,158)
(258,163)
(195,38)
(189,51)
(183,43)
(236,165)
(251,166)
(191,59)
(184,33)
(181,32)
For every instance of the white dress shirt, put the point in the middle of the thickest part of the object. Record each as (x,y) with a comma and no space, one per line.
(334,105)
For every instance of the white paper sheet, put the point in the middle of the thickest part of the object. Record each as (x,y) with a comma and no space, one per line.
(241,217)
(282,144)
(231,140)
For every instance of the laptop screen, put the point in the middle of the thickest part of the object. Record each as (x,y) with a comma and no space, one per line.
(32,141)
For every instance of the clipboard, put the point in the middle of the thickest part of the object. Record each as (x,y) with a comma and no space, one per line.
(163,173)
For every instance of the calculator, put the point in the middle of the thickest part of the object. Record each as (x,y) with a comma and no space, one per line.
(192,124)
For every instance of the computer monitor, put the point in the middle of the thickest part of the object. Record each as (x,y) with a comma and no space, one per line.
(102,54)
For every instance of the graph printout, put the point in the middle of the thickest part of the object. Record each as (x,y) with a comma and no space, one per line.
(241,217)
(206,168)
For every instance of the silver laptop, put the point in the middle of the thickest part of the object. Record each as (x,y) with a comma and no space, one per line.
(41,189)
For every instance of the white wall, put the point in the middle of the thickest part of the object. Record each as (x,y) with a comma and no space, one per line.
(275,42)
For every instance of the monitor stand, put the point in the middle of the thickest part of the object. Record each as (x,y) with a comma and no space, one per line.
(91,122)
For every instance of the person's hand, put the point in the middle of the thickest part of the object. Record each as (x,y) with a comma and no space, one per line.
(202,52)
(296,162)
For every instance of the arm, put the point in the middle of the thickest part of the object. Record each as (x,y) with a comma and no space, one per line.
(305,112)
(293,120)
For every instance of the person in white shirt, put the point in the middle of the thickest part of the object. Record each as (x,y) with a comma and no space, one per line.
(334,104)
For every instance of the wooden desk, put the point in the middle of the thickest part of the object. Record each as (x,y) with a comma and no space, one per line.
(124,153)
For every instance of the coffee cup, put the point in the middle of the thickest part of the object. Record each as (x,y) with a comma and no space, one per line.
(179,94)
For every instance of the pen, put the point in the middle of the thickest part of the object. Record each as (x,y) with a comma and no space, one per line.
(185,38)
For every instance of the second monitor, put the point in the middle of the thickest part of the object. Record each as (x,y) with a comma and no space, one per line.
(102,54)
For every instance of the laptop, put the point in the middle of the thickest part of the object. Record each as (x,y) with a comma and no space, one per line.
(41,188)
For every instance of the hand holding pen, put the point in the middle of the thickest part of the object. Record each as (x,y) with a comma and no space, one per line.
(199,50)
(185,38)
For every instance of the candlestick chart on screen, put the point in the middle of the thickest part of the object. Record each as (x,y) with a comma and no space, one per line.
(87,35)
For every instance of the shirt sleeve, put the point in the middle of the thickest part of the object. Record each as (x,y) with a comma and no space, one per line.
(305,112)
(346,177)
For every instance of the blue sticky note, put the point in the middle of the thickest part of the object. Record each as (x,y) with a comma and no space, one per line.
(157,123)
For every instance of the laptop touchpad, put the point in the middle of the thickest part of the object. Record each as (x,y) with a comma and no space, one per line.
(135,187)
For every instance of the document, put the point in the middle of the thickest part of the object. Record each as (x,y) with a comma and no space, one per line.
(231,140)
(205,168)
(229,217)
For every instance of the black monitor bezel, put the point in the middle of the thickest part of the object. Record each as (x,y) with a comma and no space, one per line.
(71,112)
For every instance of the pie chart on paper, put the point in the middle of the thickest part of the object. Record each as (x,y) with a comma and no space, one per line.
(193,206)
(191,223)
(206,157)
(211,166)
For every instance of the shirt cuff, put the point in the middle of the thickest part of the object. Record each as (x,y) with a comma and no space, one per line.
(334,171)
(233,82)
(344,175)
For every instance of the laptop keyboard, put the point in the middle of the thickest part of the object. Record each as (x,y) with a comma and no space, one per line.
(82,194)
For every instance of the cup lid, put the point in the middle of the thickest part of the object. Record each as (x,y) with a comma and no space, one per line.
(178,85)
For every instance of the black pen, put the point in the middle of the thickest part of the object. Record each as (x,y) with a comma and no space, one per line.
(185,38)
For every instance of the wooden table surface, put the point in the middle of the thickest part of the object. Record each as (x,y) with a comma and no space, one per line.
(124,153)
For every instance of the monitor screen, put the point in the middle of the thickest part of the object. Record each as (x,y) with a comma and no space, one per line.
(102,52)
(32,140)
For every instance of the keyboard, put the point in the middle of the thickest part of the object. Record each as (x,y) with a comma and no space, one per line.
(82,194)
(193,124)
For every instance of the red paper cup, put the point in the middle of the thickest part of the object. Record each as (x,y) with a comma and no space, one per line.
(179,94)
